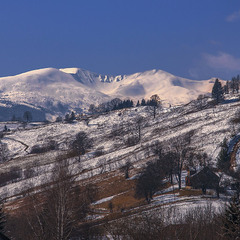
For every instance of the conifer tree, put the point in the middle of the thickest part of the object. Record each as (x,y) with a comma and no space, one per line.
(226,88)
(231,220)
(2,218)
(217,91)
(223,160)
(73,117)
(27,116)
(143,102)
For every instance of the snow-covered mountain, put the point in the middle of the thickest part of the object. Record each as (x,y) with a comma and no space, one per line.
(51,92)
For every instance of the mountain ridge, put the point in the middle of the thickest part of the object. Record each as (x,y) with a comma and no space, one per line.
(56,91)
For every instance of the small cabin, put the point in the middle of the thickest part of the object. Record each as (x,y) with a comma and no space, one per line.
(204,179)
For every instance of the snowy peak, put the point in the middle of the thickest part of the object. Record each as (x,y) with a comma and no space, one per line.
(57,91)
(89,78)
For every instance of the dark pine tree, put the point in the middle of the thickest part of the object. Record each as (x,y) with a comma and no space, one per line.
(2,218)
(27,116)
(223,159)
(226,87)
(231,220)
(217,91)
(143,102)
(72,117)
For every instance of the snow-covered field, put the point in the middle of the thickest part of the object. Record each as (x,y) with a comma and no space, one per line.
(210,127)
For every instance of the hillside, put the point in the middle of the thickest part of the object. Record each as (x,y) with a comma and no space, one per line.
(209,127)
(27,171)
(48,93)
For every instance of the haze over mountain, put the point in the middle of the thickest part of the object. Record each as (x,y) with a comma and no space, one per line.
(51,92)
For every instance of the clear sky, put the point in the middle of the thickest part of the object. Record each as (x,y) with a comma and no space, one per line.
(197,39)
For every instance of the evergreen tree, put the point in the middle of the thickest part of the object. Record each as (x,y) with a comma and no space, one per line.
(138,104)
(5,128)
(2,218)
(131,103)
(231,220)
(226,88)
(223,159)
(67,117)
(143,102)
(217,91)
(92,108)
(73,117)
(27,116)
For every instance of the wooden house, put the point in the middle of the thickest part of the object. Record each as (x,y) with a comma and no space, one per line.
(204,179)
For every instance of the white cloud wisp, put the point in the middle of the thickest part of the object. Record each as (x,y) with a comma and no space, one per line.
(233,17)
(222,61)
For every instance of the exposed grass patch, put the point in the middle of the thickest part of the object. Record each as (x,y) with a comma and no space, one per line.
(114,185)
(189,192)
(123,202)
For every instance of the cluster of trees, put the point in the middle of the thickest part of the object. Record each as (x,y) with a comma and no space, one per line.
(27,117)
(232,86)
(117,103)
(56,212)
(59,217)
(170,160)
(167,223)
(69,118)
(123,104)
(129,132)
(114,104)
(153,101)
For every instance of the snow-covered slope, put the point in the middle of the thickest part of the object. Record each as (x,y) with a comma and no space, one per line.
(56,91)
(209,127)
(171,89)
(51,90)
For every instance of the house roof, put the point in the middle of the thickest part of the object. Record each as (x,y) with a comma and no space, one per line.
(205,177)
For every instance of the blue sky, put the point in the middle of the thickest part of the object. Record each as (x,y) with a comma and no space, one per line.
(193,39)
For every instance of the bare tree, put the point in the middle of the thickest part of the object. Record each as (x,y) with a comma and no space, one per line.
(125,168)
(140,122)
(102,164)
(180,146)
(81,143)
(155,102)
(59,208)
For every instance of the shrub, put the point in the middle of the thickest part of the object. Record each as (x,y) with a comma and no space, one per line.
(99,152)
(132,140)
(52,145)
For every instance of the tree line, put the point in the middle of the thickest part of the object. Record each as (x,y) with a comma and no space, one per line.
(231,86)
(116,104)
